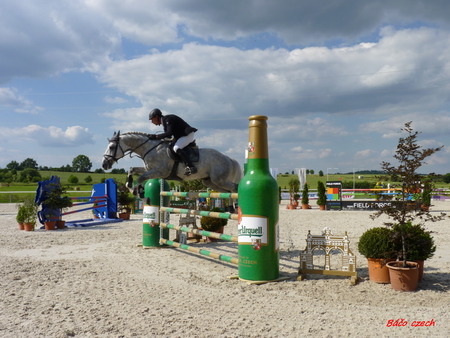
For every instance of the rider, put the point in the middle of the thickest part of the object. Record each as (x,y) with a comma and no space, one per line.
(183,133)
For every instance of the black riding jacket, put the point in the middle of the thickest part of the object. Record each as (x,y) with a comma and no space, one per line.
(174,126)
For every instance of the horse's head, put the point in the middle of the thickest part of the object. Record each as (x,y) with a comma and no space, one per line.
(113,152)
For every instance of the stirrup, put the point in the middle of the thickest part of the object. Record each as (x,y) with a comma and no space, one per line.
(190,170)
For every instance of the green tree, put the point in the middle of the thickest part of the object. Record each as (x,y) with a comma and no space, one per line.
(28,163)
(88,179)
(81,163)
(446,178)
(320,173)
(73,179)
(311,171)
(13,165)
(29,175)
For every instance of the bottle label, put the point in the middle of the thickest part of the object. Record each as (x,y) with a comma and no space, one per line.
(253,230)
(151,215)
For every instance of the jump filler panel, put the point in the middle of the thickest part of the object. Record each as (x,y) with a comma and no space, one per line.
(328,242)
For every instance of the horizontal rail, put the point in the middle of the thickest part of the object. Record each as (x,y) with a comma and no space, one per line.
(200,194)
(85,209)
(223,215)
(200,251)
(97,198)
(200,232)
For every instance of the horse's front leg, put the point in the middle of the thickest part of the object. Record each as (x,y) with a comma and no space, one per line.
(133,171)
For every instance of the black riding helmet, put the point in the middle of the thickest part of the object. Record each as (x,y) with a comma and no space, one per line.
(154,113)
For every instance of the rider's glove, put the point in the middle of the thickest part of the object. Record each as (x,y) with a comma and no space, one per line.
(152,137)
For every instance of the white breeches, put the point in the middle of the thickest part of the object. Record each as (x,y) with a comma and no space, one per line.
(184,141)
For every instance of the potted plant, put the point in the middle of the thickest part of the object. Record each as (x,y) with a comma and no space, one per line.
(294,185)
(404,274)
(296,197)
(321,195)
(213,224)
(305,197)
(21,214)
(419,243)
(31,209)
(125,202)
(65,202)
(426,197)
(53,205)
(377,246)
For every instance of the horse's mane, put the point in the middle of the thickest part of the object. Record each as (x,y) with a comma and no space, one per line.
(136,133)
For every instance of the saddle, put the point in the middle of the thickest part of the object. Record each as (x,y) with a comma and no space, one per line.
(191,150)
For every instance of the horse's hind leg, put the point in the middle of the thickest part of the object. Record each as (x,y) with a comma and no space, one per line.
(226,186)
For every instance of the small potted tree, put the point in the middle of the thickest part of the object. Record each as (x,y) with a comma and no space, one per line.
(125,202)
(294,185)
(419,244)
(321,195)
(404,274)
(305,197)
(426,197)
(377,246)
(21,214)
(30,214)
(53,205)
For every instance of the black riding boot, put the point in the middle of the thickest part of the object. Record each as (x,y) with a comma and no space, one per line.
(190,168)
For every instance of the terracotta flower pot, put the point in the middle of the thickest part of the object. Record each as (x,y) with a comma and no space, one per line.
(61,224)
(124,215)
(50,225)
(404,279)
(28,226)
(421,263)
(322,207)
(378,270)
(291,206)
(20,226)
(305,206)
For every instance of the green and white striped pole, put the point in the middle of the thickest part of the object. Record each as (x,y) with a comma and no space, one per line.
(151,221)
(258,246)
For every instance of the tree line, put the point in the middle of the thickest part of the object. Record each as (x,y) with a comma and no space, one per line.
(28,170)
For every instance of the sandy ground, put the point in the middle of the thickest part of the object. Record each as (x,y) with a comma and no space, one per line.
(97,282)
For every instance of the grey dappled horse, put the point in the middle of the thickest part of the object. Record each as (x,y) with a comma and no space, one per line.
(217,171)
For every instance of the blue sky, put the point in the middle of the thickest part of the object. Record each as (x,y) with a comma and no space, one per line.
(337,79)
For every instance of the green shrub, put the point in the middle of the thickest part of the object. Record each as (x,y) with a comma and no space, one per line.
(377,243)
(305,195)
(211,223)
(419,243)
(321,194)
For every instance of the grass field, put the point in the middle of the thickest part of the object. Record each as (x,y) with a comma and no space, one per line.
(312,180)
(283,181)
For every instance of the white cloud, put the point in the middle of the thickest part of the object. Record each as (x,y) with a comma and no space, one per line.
(9,97)
(115,100)
(73,136)
(43,38)
(364,154)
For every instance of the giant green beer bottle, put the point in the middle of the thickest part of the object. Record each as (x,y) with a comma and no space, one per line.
(151,221)
(258,210)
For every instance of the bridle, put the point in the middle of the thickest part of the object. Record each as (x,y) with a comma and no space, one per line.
(116,140)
